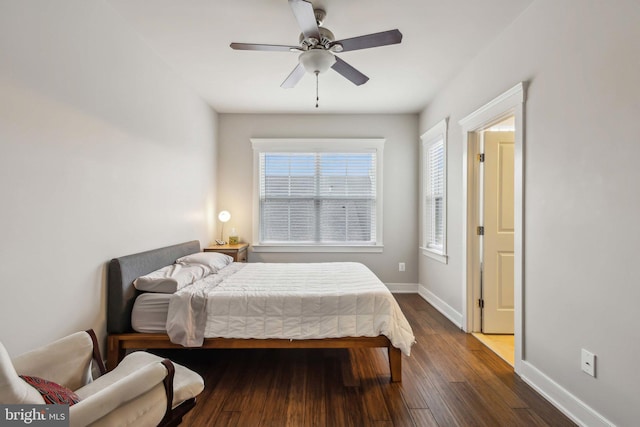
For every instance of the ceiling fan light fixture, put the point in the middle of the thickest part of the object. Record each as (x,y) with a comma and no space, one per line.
(316,60)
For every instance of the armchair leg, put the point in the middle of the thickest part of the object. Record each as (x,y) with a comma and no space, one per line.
(177,413)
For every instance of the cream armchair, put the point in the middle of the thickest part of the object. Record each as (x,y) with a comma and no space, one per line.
(143,390)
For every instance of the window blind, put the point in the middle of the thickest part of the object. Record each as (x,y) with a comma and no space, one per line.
(317,198)
(434,202)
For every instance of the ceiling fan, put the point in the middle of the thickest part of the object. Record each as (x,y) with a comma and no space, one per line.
(318,46)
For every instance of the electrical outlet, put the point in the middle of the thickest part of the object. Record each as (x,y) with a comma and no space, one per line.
(401,266)
(588,362)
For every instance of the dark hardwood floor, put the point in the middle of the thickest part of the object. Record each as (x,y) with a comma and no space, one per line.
(450,379)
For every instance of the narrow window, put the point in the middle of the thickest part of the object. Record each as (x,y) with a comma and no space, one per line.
(434,184)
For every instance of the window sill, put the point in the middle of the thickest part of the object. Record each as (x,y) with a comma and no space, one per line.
(435,255)
(317,248)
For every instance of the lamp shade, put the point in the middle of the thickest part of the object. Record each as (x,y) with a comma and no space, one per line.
(224,216)
(316,60)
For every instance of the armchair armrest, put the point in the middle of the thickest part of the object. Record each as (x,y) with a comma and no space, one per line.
(168,388)
(112,391)
(66,361)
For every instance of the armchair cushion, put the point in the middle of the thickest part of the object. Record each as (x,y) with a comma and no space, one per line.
(52,392)
(66,361)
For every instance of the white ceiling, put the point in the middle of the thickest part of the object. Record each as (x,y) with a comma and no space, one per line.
(439,37)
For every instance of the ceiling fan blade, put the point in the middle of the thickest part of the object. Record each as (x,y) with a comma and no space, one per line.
(294,77)
(347,71)
(303,11)
(370,40)
(266,47)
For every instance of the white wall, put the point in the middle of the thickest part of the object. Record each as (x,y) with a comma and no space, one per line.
(581,195)
(400,194)
(104,152)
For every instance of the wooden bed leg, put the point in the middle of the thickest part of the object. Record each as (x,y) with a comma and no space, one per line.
(114,353)
(395,364)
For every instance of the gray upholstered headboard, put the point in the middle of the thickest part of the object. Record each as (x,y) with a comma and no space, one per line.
(124,270)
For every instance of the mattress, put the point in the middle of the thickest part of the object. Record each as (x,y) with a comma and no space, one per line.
(149,314)
(287,301)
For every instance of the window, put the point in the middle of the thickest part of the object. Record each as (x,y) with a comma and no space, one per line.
(434,197)
(318,195)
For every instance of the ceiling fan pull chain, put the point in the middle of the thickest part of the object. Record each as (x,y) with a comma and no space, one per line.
(317,96)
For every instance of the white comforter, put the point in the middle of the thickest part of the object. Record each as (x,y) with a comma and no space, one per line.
(290,301)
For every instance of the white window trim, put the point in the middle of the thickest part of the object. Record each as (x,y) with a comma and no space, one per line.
(436,133)
(335,145)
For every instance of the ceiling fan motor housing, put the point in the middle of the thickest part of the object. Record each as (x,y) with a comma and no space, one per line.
(326,37)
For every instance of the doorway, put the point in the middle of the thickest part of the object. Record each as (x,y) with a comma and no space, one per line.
(496,257)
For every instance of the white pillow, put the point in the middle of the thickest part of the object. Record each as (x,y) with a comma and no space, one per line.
(213,260)
(169,279)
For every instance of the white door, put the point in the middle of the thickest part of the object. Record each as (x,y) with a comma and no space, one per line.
(498,257)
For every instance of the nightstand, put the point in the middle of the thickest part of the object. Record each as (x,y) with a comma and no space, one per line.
(238,251)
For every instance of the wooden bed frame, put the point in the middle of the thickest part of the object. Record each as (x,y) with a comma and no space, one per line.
(122,294)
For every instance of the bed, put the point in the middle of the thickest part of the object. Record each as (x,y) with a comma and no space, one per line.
(122,295)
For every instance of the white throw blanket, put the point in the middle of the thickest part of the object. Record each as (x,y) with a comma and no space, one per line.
(288,301)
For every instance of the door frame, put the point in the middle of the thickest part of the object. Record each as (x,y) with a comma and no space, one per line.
(509,103)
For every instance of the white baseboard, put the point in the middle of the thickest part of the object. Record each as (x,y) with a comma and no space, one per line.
(403,288)
(581,413)
(444,308)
